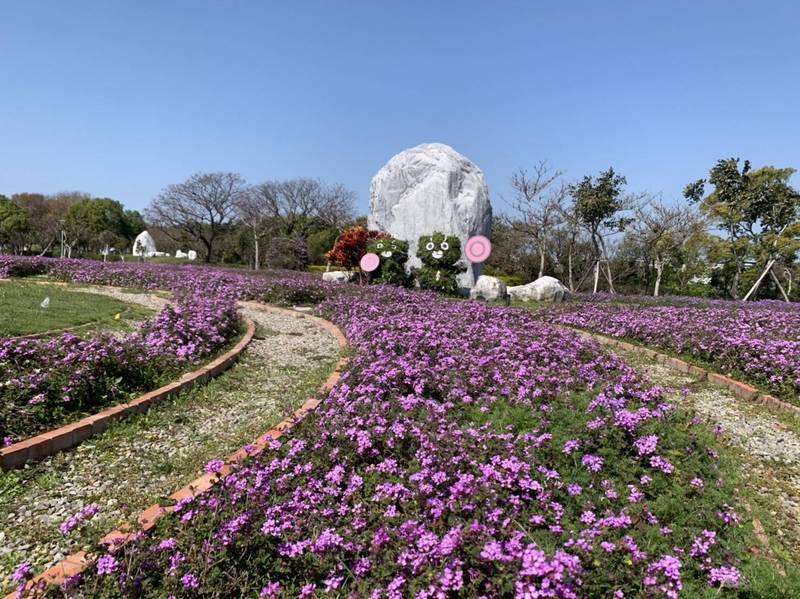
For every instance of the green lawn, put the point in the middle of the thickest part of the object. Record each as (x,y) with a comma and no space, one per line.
(21,312)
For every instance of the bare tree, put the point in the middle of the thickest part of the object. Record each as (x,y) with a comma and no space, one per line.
(539,200)
(662,230)
(252,212)
(295,206)
(201,207)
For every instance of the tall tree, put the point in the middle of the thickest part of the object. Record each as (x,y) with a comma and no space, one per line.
(662,231)
(297,206)
(14,224)
(757,210)
(96,224)
(772,213)
(202,207)
(598,204)
(539,198)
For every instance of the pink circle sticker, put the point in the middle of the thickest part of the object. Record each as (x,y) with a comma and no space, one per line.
(369,262)
(478,248)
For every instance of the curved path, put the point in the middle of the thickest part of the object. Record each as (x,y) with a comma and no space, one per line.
(141,460)
(766,442)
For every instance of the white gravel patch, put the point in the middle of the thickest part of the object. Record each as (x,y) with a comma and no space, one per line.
(145,299)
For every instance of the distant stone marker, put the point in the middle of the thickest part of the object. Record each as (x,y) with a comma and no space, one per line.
(428,188)
(144,245)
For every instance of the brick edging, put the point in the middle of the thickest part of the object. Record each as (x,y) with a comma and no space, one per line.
(80,561)
(34,449)
(738,388)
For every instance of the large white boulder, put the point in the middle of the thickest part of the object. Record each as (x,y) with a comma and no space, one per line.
(543,289)
(488,288)
(144,245)
(428,188)
(337,276)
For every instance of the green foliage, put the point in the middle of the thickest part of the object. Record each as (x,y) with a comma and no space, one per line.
(759,212)
(286,253)
(598,202)
(14,221)
(440,254)
(393,254)
(510,280)
(320,242)
(93,223)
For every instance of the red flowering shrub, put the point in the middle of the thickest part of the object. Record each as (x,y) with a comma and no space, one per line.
(351,245)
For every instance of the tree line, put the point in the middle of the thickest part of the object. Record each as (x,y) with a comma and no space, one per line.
(734,233)
(276,224)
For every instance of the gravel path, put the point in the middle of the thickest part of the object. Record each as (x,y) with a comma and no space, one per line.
(768,444)
(146,299)
(146,458)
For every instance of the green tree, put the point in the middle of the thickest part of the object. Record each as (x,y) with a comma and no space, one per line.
(598,204)
(14,224)
(758,212)
(99,223)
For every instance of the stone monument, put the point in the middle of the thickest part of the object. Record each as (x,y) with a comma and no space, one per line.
(144,245)
(429,188)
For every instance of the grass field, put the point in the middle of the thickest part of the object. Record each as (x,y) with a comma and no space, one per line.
(21,311)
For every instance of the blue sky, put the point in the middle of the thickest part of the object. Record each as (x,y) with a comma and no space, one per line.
(120,99)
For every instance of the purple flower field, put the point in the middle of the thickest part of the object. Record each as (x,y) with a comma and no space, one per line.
(759,342)
(468,450)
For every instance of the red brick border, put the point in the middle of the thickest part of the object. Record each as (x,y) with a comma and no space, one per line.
(80,561)
(739,389)
(39,447)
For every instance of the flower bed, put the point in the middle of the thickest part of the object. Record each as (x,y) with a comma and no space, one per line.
(469,450)
(758,343)
(45,382)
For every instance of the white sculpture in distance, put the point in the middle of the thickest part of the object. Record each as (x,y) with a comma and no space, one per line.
(144,246)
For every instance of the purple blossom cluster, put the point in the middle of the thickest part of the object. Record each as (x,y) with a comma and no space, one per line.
(759,342)
(469,450)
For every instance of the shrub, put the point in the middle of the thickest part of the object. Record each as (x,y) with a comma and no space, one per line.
(351,246)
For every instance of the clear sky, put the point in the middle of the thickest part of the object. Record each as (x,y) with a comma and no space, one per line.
(120,99)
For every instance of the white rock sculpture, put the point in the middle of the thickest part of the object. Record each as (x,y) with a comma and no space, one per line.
(429,188)
(192,255)
(181,254)
(338,276)
(543,289)
(488,288)
(144,245)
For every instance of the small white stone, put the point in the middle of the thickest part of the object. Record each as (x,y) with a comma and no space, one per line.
(543,289)
(488,288)
(337,276)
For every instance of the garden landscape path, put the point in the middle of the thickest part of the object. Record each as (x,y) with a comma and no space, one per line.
(144,459)
(768,444)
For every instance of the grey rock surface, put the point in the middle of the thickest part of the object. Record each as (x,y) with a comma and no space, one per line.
(428,188)
(543,289)
(144,245)
(488,288)
(337,276)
